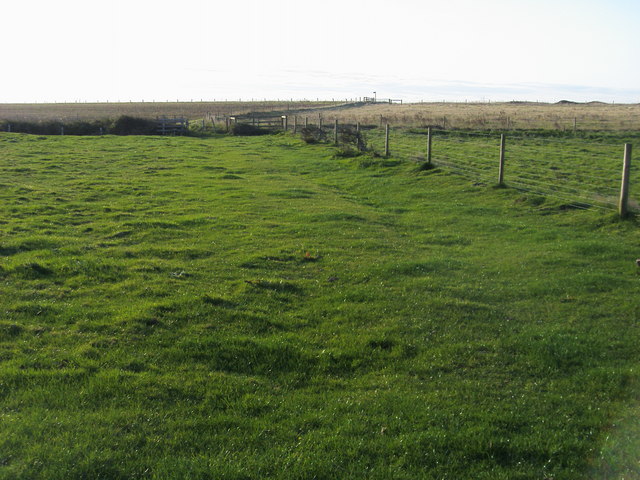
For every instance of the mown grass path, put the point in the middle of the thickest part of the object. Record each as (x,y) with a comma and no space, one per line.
(254,307)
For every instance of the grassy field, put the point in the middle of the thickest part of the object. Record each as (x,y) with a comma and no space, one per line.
(580,170)
(243,308)
(69,112)
(484,116)
(492,116)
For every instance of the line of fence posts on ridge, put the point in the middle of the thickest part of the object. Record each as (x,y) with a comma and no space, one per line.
(232,120)
(623,202)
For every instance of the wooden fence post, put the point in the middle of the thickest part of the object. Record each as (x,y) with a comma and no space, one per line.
(623,206)
(357,127)
(501,169)
(386,140)
(295,124)
(61,129)
(575,125)
(428,145)
(319,121)
(335,131)
(284,122)
(306,122)
(9,127)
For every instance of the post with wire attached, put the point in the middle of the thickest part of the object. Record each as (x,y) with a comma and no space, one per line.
(623,206)
(501,169)
(428,145)
(335,131)
(386,140)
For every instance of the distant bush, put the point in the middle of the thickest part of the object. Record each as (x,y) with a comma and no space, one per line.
(126,125)
(245,129)
(86,128)
(50,127)
(351,143)
(313,134)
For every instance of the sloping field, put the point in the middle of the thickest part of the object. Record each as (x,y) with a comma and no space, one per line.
(256,308)
(504,115)
(68,112)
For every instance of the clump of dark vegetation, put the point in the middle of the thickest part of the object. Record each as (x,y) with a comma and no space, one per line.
(313,134)
(248,130)
(423,165)
(126,125)
(351,143)
(123,125)
(52,127)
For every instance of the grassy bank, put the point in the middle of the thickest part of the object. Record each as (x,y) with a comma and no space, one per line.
(253,307)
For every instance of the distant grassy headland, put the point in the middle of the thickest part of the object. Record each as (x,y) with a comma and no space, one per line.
(563,115)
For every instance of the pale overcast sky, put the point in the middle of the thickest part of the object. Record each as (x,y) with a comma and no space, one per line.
(117,50)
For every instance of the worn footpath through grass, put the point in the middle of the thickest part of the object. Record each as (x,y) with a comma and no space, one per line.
(254,307)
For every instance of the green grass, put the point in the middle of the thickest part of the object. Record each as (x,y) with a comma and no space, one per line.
(576,169)
(254,307)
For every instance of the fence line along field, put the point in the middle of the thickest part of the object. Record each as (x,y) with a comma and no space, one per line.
(493,116)
(583,171)
(260,307)
(485,116)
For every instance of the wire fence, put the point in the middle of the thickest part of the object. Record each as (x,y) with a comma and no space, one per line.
(581,172)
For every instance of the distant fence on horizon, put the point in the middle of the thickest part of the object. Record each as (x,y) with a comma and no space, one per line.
(380,100)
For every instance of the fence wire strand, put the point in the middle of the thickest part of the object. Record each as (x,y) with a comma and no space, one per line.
(564,198)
